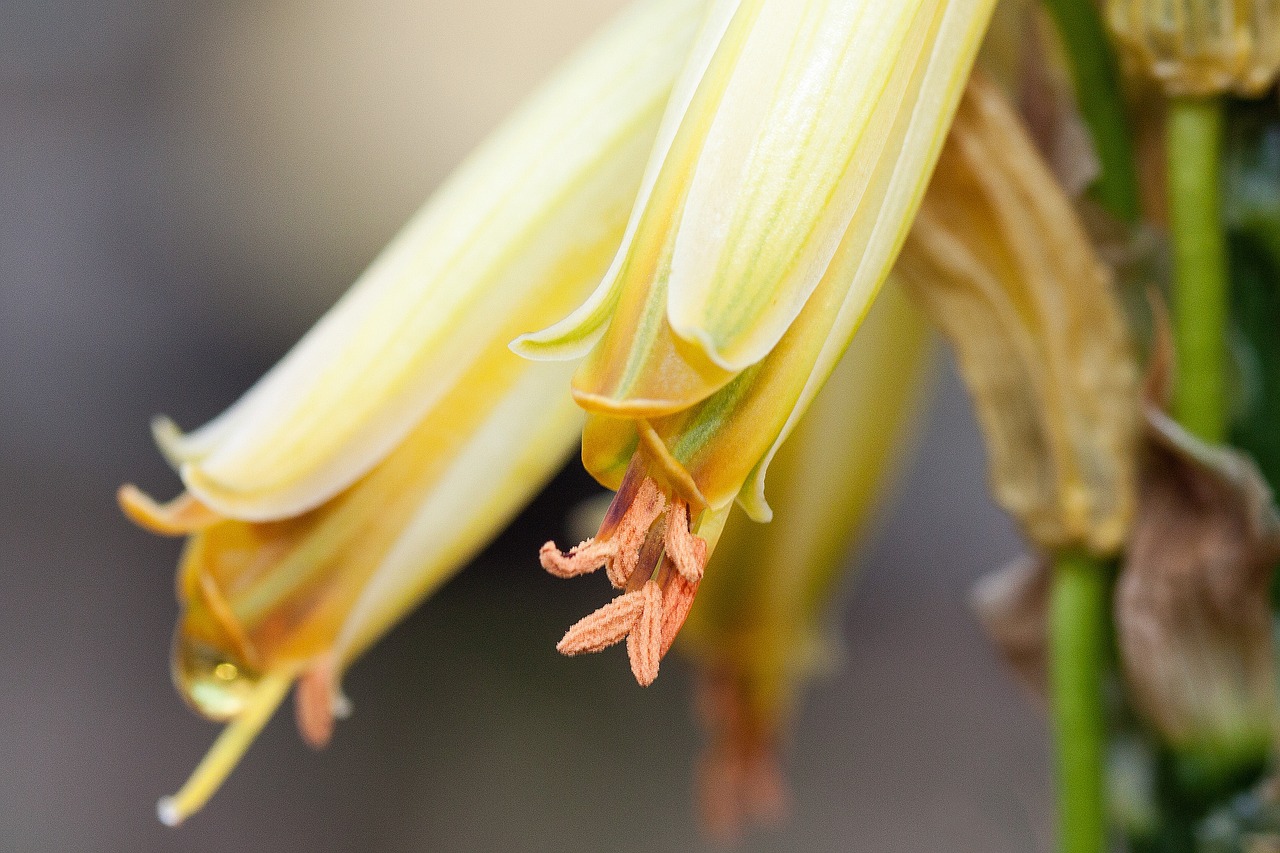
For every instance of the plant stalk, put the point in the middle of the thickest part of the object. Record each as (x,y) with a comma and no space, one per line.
(1101,102)
(1193,149)
(1078,619)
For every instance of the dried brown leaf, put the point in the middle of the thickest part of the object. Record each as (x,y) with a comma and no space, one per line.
(1192,611)
(1012,604)
(1000,261)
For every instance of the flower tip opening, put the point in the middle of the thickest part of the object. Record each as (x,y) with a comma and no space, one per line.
(647,547)
(181,516)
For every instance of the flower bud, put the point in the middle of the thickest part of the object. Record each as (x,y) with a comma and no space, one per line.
(1200,47)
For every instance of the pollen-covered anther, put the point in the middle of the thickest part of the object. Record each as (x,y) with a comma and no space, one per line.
(617,546)
(316,701)
(688,552)
(606,626)
(644,643)
(579,560)
(647,505)
(677,601)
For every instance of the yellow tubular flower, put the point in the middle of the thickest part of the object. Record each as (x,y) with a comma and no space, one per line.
(379,513)
(1200,47)
(1001,263)
(789,165)
(758,628)
(524,221)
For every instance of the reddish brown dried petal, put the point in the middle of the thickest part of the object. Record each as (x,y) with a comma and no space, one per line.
(629,536)
(677,600)
(644,643)
(1193,617)
(313,702)
(604,627)
(1012,604)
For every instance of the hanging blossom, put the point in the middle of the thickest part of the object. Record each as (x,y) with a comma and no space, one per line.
(761,629)
(788,167)
(400,434)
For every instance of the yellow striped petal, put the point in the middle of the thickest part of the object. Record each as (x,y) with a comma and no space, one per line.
(786,163)
(662,187)
(267,601)
(724,443)
(530,220)
(272,600)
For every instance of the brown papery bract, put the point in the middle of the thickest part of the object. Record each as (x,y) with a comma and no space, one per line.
(1012,604)
(1193,615)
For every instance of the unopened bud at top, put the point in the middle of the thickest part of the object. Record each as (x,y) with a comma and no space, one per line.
(1200,47)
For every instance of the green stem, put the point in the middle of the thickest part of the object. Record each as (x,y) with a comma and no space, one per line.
(1101,102)
(1193,148)
(1078,617)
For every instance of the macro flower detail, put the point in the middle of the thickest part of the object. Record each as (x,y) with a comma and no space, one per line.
(739,284)
(401,434)
(649,551)
(1200,47)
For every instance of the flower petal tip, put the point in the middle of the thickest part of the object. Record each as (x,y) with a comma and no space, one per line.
(183,515)
(696,336)
(168,437)
(550,345)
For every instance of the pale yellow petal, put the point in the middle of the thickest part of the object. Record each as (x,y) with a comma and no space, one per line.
(525,228)
(785,164)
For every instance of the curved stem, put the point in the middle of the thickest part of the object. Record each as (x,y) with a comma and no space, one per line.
(1098,93)
(1193,148)
(1077,637)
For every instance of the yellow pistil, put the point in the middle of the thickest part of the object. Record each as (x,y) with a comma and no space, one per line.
(226,752)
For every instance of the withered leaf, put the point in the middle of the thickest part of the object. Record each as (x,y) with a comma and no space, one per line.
(1192,612)
(1012,605)
(1001,262)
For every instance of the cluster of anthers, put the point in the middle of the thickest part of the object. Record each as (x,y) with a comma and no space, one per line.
(647,547)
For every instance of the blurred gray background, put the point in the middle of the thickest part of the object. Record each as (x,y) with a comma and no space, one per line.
(183,189)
